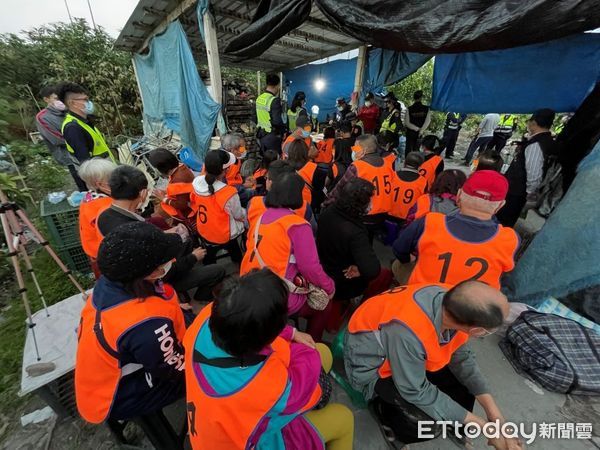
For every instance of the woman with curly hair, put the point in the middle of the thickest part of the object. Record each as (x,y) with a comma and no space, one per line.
(344,248)
(441,197)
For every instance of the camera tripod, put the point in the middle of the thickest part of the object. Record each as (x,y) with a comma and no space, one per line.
(14,220)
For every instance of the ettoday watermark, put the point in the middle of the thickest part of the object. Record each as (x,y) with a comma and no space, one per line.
(494,430)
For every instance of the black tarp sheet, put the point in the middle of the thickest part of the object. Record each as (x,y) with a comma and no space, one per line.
(425,26)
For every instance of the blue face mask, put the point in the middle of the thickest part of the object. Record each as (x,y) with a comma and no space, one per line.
(354,158)
(305,133)
(89,107)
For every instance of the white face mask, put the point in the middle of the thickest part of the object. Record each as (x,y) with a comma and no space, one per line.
(340,108)
(368,103)
(57,104)
(165,270)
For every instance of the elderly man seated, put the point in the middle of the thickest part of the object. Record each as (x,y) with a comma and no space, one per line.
(469,245)
(407,351)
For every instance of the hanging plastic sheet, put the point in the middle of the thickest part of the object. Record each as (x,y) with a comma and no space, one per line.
(563,257)
(336,79)
(424,26)
(386,67)
(556,74)
(272,20)
(173,92)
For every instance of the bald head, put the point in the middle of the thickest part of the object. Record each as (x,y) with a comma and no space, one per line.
(475,304)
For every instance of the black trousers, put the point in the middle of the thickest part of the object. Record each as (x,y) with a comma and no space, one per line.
(412,142)
(499,141)
(203,278)
(449,139)
(232,247)
(403,417)
(510,212)
(270,141)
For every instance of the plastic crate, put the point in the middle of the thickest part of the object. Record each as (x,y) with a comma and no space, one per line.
(62,221)
(75,258)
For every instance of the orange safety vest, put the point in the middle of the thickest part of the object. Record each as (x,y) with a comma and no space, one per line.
(399,305)
(307,173)
(233,175)
(326,151)
(173,190)
(88,231)
(381,177)
(429,167)
(274,245)
(443,258)
(97,369)
(423,205)
(405,194)
(259,173)
(257,207)
(335,170)
(212,221)
(389,160)
(291,138)
(228,422)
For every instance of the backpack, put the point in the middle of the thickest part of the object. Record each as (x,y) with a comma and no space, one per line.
(557,353)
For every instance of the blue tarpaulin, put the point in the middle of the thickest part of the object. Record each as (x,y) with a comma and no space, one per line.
(386,67)
(173,92)
(556,74)
(338,78)
(563,257)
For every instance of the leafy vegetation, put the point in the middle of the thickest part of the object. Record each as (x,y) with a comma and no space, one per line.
(66,52)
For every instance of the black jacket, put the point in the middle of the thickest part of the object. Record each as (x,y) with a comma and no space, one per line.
(343,241)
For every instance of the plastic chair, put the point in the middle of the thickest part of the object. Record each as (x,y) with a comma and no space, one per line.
(337,350)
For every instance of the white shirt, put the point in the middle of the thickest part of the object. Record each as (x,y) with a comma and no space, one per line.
(488,125)
(534,166)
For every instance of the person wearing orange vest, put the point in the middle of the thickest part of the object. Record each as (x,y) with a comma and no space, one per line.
(252,381)
(314,175)
(407,351)
(257,206)
(220,218)
(469,245)
(95,173)
(130,358)
(326,147)
(129,192)
(234,143)
(407,186)
(175,201)
(441,197)
(302,131)
(369,166)
(284,242)
(434,163)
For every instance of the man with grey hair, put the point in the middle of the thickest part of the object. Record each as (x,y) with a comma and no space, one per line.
(369,165)
(468,245)
(407,350)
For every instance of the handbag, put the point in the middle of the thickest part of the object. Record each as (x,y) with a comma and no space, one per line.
(316,297)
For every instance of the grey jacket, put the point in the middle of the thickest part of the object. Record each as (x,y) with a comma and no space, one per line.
(49,123)
(364,353)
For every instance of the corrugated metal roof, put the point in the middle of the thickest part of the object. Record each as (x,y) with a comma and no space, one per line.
(315,39)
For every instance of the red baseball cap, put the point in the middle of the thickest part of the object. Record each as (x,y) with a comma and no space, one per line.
(486,184)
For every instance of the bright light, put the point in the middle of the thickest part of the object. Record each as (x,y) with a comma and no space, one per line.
(319,84)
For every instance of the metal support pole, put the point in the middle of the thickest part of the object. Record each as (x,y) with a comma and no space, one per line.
(257,83)
(361,63)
